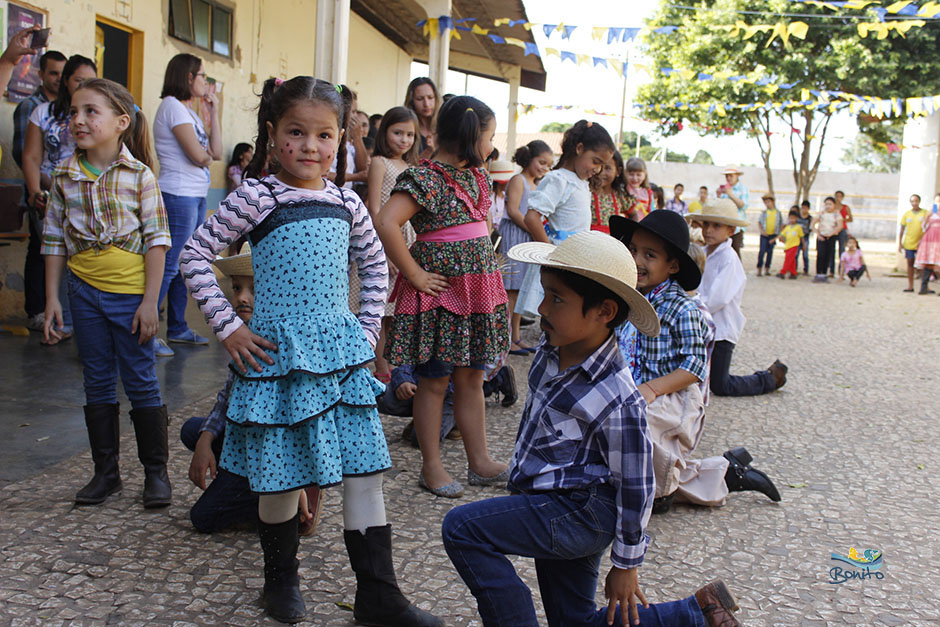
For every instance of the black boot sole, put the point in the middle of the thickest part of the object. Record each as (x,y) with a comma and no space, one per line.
(85,500)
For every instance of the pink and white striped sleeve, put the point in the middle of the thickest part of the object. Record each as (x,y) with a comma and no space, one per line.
(366,251)
(239,213)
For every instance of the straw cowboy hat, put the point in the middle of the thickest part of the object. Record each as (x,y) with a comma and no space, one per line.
(501,171)
(670,227)
(732,169)
(722,211)
(601,258)
(236,265)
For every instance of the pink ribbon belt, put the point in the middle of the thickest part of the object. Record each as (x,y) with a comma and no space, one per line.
(459,233)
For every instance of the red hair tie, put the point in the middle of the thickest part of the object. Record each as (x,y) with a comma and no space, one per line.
(278,81)
(590,124)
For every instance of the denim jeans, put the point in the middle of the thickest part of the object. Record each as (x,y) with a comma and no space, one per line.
(724,384)
(390,404)
(767,243)
(184,214)
(843,240)
(228,500)
(102,324)
(567,534)
(804,247)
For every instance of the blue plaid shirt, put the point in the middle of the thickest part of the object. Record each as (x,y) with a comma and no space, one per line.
(681,339)
(21,120)
(215,421)
(584,427)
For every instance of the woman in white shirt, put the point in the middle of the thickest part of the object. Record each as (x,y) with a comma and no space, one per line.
(185,149)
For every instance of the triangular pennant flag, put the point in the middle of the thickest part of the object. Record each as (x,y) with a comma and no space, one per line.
(598,32)
(569,56)
(531,48)
(613,34)
(630,33)
(552,52)
(513,41)
(496,38)
(664,30)
(548,29)
(599,61)
(583,59)
(704,77)
(568,31)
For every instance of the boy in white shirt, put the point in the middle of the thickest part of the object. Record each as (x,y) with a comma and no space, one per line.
(722,288)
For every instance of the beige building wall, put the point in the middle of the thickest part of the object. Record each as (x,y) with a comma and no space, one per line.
(269,38)
(378,70)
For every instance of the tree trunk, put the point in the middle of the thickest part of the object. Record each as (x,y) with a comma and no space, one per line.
(760,126)
(804,174)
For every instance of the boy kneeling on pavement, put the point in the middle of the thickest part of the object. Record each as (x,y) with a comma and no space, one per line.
(582,471)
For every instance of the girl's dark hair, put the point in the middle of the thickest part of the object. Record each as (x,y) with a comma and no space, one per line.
(794,211)
(852,238)
(460,122)
(277,98)
(833,199)
(525,154)
(397,115)
(589,135)
(60,108)
(137,134)
(179,71)
(592,294)
(240,149)
(414,85)
(659,195)
(619,184)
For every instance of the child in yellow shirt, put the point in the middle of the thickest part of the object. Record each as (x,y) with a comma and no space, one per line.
(791,236)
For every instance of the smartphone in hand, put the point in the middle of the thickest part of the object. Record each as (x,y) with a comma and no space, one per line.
(40,39)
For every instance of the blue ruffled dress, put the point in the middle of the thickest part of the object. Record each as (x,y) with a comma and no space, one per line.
(310,418)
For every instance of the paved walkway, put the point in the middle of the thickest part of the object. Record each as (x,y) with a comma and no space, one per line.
(850,442)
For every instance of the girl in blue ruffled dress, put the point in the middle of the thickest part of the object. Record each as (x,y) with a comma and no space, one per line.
(302,408)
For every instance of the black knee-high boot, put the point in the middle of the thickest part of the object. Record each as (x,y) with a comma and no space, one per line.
(281,596)
(153,451)
(101,421)
(379,602)
(925,281)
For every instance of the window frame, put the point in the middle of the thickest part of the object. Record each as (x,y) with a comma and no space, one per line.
(214,7)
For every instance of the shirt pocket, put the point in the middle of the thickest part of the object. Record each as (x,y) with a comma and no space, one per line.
(558,437)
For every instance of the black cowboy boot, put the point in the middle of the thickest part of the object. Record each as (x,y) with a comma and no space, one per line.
(153,451)
(281,596)
(101,420)
(379,602)
(740,476)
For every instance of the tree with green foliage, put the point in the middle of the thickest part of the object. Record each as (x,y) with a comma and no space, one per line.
(832,57)
(555,127)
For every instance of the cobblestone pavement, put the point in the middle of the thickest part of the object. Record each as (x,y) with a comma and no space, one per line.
(848,440)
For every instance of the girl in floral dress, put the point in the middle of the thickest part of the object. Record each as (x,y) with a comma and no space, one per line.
(450,316)
(608,194)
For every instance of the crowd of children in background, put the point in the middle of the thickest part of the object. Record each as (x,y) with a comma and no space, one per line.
(371,239)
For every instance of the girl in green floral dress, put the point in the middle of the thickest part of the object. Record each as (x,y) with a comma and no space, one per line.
(450,315)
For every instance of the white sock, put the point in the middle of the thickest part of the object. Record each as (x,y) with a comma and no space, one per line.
(277,508)
(363,503)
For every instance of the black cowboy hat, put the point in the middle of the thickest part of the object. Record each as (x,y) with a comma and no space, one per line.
(671,227)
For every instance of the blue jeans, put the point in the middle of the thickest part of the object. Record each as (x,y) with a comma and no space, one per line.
(567,534)
(722,383)
(184,214)
(767,243)
(804,247)
(102,324)
(228,500)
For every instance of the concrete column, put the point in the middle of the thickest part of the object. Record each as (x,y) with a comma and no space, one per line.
(439,46)
(513,113)
(332,45)
(920,169)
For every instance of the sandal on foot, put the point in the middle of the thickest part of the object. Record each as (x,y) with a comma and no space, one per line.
(475,479)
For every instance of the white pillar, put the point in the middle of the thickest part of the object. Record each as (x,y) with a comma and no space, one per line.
(920,170)
(513,113)
(332,45)
(438,45)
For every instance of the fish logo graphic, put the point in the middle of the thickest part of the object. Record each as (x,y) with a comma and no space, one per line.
(865,564)
(869,558)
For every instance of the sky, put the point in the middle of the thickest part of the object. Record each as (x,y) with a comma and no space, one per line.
(602,89)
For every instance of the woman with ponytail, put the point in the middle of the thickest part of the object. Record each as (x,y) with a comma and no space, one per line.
(450,314)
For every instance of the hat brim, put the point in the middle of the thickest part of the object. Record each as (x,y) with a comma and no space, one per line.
(642,314)
(236,265)
(707,217)
(689,277)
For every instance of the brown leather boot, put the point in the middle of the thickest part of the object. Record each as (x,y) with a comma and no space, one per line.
(779,372)
(717,605)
